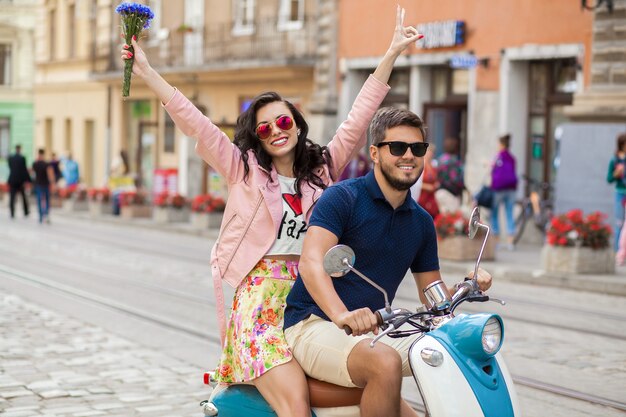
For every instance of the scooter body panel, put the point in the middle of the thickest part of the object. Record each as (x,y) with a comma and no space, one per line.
(246,401)
(444,388)
(481,387)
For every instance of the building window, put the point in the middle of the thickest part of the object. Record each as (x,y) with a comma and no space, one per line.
(244,17)
(169,142)
(291,14)
(449,84)
(5,137)
(51,33)
(71,27)
(5,64)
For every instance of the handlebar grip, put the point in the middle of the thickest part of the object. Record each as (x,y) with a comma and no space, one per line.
(379,318)
(347,329)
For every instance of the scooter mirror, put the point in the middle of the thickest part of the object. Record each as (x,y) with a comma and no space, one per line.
(474,222)
(339,260)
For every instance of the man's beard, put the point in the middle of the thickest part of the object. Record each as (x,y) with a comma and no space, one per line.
(397,183)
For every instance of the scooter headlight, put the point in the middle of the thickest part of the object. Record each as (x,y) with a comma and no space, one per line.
(492,336)
(479,336)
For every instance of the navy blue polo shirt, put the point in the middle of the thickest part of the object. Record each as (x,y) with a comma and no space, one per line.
(386,242)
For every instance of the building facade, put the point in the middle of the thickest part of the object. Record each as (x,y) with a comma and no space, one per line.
(483,69)
(17,43)
(219,54)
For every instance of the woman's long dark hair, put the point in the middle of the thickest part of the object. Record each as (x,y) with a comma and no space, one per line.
(309,155)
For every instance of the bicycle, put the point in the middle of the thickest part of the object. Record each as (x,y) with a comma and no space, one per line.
(534,207)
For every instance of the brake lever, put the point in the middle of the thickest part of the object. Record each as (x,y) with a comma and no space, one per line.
(497,300)
(382,334)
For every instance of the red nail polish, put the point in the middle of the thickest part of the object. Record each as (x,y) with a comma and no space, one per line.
(420,37)
(134,37)
(130,54)
(125,46)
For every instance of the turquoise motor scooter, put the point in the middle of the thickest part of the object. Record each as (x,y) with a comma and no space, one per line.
(454,359)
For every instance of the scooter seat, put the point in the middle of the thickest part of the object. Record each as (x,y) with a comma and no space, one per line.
(324,394)
(321,394)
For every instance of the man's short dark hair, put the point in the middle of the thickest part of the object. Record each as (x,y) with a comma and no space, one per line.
(390,117)
(18,148)
(41,151)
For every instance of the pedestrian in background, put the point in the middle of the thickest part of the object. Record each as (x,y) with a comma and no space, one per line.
(55,164)
(275,173)
(616,174)
(357,167)
(430,184)
(18,178)
(44,183)
(70,172)
(450,174)
(504,185)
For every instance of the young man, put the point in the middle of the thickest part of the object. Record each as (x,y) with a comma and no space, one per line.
(18,177)
(44,183)
(376,216)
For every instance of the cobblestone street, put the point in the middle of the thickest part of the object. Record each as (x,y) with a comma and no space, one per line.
(55,366)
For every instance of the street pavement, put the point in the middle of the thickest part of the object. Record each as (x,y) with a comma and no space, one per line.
(52,365)
(55,366)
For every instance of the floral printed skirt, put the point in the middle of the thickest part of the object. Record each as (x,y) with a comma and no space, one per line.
(255,341)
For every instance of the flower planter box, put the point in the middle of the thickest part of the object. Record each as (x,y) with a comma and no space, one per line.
(577,260)
(135,211)
(70,205)
(55,202)
(170,214)
(206,220)
(100,208)
(462,248)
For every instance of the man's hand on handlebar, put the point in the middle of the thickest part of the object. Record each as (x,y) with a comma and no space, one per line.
(361,321)
(484,279)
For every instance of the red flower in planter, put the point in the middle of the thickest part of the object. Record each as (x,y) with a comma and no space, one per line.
(165,199)
(573,228)
(207,203)
(451,224)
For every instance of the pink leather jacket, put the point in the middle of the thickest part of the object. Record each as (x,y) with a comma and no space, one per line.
(254,207)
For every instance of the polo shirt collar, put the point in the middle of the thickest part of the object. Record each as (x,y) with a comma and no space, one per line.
(376,193)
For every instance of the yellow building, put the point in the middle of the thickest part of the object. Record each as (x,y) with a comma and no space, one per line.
(218,53)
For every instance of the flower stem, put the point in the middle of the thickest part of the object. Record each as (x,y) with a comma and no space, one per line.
(128,72)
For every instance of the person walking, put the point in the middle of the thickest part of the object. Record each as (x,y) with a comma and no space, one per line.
(18,178)
(55,163)
(430,185)
(450,173)
(70,172)
(44,182)
(275,174)
(616,175)
(504,185)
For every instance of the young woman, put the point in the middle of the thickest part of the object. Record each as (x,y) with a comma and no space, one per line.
(274,174)
(617,174)
(504,184)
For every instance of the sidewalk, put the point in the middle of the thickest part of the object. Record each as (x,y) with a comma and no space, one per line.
(55,366)
(522,265)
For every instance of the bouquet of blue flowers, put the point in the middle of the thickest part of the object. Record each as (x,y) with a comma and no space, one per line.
(135,18)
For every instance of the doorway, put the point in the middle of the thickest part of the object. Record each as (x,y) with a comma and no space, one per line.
(445,121)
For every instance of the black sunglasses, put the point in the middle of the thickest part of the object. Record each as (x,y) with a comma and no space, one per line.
(399,148)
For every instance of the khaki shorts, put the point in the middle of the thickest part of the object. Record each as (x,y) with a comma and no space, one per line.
(322,349)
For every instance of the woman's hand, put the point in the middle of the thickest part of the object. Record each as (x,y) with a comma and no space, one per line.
(403,36)
(141,66)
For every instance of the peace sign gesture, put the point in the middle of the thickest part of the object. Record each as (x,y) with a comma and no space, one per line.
(403,36)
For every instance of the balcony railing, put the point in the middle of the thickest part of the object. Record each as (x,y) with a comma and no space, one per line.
(217,47)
